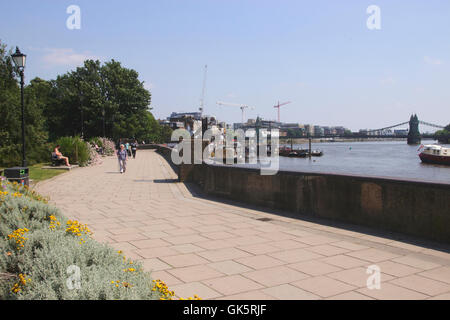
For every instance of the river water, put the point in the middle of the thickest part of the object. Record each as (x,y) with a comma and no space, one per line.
(393,159)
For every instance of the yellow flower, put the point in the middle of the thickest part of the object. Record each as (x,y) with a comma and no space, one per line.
(22,282)
(17,235)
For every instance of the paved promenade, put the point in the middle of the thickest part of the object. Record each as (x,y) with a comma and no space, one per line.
(219,250)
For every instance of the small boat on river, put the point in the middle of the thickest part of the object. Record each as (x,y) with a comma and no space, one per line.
(435,154)
(298,153)
(317,153)
(289,152)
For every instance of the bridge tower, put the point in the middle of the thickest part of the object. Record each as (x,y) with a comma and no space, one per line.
(414,134)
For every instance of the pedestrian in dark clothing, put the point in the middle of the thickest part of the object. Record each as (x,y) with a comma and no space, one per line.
(134,148)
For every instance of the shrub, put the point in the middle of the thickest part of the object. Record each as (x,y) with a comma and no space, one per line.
(97,140)
(105,143)
(109,147)
(38,244)
(11,154)
(76,149)
(94,156)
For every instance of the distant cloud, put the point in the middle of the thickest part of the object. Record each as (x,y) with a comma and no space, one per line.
(389,81)
(148,85)
(419,89)
(432,61)
(292,85)
(231,95)
(66,57)
(401,106)
(300,84)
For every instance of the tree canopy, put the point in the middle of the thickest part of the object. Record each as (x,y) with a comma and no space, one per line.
(443,136)
(96,98)
(11,113)
(93,100)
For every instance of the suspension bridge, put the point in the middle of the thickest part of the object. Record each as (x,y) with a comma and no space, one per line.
(411,133)
(428,124)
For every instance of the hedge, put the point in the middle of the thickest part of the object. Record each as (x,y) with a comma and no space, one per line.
(76,149)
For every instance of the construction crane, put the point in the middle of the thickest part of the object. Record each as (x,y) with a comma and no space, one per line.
(278,107)
(202,100)
(242,106)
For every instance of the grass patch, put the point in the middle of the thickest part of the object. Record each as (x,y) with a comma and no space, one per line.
(39,174)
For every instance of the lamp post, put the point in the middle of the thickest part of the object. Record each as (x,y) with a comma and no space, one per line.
(19,60)
(103,116)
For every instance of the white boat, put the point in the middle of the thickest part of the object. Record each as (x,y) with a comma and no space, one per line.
(436,154)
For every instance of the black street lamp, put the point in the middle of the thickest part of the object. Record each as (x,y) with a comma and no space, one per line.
(103,116)
(19,60)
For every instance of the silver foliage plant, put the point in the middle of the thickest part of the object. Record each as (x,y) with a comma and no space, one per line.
(47,253)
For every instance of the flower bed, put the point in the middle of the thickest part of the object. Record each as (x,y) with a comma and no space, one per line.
(45,256)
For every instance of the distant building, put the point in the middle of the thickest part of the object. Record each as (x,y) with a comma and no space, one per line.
(309,130)
(238,125)
(164,122)
(191,121)
(326,131)
(178,115)
(363,132)
(261,123)
(269,124)
(318,131)
(340,130)
(291,126)
(401,132)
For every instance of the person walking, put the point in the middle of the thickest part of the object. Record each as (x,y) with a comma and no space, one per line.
(127,148)
(122,157)
(134,148)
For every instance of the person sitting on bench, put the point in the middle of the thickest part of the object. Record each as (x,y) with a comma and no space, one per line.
(60,156)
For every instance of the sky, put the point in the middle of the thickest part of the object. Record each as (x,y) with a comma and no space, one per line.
(320,55)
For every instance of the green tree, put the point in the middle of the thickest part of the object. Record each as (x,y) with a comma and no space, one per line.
(166,134)
(97,96)
(92,101)
(347,132)
(11,113)
(443,136)
(9,107)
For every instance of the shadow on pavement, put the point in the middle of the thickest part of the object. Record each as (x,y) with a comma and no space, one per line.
(157,180)
(165,180)
(197,191)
